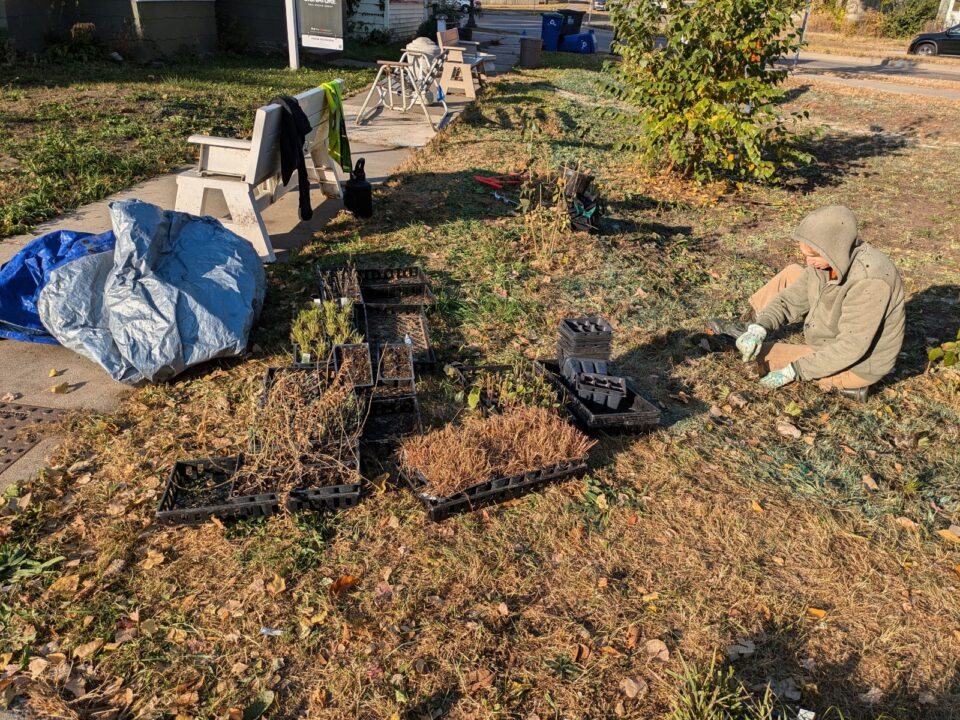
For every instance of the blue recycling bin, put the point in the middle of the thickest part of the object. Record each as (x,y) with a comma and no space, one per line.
(550,30)
(584,43)
(572,21)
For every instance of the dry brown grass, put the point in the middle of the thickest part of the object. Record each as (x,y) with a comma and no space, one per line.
(516,441)
(307,429)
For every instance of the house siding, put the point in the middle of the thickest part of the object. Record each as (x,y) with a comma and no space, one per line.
(173,26)
(263,22)
(163,26)
(405,18)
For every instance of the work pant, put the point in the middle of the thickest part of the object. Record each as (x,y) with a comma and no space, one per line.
(779,355)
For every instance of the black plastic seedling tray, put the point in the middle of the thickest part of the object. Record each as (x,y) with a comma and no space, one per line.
(324,499)
(391,418)
(492,491)
(592,327)
(198,490)
(361,350)
(394,323)
(636,415)
(392,277)
(398,377)
(606,390)
(573,366)
(332,290)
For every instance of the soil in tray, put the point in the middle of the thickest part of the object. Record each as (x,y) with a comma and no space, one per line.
(396,362)
(354,360)
(206,488)
(395,327)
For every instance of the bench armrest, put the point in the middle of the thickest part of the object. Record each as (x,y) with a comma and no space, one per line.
(469,45)
(231,143)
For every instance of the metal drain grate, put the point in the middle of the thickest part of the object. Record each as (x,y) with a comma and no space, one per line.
(13,419)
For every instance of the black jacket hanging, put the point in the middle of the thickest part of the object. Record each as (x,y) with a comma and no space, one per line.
(294,128)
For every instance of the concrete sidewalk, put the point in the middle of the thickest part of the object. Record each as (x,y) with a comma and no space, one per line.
(385,143)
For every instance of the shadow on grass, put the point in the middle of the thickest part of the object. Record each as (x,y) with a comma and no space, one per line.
(933,317)
(803,679)
(650,365)
(837,155)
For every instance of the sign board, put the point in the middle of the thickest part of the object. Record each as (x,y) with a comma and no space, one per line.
(321,24)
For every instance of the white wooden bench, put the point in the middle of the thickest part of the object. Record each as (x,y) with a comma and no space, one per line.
(464,68)
(247,172)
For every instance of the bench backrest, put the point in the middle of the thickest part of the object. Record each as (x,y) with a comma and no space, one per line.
(448,38)
(314,105)
(264,160)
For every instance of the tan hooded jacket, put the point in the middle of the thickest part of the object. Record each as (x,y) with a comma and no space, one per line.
(853,322)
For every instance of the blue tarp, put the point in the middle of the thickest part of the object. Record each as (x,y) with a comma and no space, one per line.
(25,274)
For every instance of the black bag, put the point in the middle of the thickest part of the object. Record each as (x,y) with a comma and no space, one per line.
(358,193)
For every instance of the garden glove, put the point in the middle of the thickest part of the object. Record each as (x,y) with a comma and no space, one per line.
(749,343)
(779,378)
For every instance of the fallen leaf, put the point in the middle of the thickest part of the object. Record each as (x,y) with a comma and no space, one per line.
(927,698)
(907,524)
(61,389)
(153,559)
(238,668)
(870,483)
(343,583)
(580,653)
(956,570)
(656,650)
(793,409)
(741,648)
(738,400)
(633,634)
(82,652)
(632,519)
(872,696)
(37,666)
(788,429)
(757,507)
(602,583)
(633,687)
(816,612)
(66,585)
(53,372)
(10,397)
(949,536)
(610,650)
(503,609)
(277,585)
(479,679)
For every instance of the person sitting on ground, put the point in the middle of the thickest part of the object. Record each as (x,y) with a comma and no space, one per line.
(850,297)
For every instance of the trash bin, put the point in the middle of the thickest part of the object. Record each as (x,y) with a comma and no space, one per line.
(530,52)
(580,43)
(550,30)
(572,20)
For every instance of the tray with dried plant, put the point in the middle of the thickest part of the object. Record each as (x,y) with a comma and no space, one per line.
(491,459)
(340,283)
(354,361)
(200,489)
(391,418)
(305,436)
(395,364)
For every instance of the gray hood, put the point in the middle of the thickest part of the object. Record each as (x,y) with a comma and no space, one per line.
(831,231)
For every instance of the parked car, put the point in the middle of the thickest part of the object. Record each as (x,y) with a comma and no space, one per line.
(938,43)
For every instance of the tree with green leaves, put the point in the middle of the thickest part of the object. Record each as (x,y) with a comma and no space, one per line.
(700,84)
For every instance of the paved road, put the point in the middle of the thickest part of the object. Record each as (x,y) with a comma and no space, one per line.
(873,69)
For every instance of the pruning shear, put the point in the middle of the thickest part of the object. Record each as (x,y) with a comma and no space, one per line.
(500,181)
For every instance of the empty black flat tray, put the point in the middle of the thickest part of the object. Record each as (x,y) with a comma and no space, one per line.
(323,499)
(492,491)
(391,418)
(200,489)
(638,415)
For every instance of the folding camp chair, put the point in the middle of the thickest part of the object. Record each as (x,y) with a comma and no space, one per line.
(402,84)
